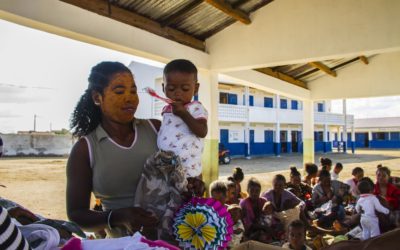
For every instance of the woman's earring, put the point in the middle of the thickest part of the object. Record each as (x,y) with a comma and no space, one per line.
(97,103)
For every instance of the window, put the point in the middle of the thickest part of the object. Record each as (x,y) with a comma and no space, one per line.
(379,136)
(320,107)
(232,99)
(318,136)
(223,98)
(395,136)
(251,100)
(268,102)
(294,104)
(283,104)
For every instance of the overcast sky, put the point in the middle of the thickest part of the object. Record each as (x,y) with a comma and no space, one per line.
(44,74)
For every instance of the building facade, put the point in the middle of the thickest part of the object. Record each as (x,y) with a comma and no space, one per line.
(377,133)
(254,123)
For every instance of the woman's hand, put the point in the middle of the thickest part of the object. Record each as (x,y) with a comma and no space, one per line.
(22,215)
(133,219)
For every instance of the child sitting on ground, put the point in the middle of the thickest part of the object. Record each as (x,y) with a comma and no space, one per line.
(367,204)
(296,236)
(238,229)
(336,171)
(237,177)
(218,191)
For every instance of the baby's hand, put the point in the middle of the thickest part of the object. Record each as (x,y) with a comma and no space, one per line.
(178,109)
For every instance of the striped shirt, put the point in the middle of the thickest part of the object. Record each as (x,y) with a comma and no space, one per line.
(10,236)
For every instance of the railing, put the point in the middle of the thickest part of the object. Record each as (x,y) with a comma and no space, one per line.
(232,113)
(237,113)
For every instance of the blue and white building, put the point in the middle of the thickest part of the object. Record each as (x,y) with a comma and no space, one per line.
(377,133)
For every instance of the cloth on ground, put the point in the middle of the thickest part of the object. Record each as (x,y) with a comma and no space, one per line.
(41,237)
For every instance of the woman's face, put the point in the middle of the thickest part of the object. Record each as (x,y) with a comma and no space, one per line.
(382,177)
(295,180)
(254,192)
(231,194)
(359,176)
(278,185)
(119,100)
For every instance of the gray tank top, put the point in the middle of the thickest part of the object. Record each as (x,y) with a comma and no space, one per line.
(117,169)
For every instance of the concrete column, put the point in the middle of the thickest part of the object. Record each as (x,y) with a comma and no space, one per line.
(353,139)
(308,131)
(277,139)
(289,140)
(325,139)
(208,95)
(247,124)
(369,138)
(277,135)
(345,127)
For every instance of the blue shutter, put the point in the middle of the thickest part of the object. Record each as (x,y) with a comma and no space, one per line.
(232,99)
(283,104)
(294,104)
(196,97)
(320,107)
(269,135)
(224,136)
(268,102)
(251,101)
(251,136)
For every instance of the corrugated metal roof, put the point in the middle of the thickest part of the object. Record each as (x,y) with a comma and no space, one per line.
(201,22)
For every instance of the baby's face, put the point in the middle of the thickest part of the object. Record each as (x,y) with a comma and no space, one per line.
(268,210)
(236,215)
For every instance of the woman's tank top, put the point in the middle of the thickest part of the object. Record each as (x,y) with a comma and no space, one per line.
(117,169)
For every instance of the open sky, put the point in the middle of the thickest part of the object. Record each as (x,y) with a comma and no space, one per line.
(44,74)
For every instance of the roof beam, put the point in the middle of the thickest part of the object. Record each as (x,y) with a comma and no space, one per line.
(282,76)
(181,12)
(364,59)
(323,68)
(227,9)
(103,8)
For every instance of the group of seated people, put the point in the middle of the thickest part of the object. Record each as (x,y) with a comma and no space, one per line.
(318,204)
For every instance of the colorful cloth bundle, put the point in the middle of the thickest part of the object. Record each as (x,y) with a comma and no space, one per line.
(203,224)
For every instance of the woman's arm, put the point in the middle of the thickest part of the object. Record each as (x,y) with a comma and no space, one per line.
(156,123)
(79,188)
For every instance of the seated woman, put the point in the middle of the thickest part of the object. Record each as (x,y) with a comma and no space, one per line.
(300,189)
(385,189)
(251,208)
(312,172)
(280,198)
(237,177)
(330,194)
(358,174)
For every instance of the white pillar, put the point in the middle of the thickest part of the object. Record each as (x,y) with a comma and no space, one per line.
(247,124)
(345,126)
(325,134)
(208,95)
(353,139)
(308,131)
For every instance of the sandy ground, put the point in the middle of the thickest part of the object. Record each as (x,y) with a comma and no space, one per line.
(39,183)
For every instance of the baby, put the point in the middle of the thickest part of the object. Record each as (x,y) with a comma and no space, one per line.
(270,220)
(238,229)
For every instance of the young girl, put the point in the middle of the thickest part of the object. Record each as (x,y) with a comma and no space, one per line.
(336,171)
(367,205)
(237,177)
(296,236)
(231,196)
(312,172)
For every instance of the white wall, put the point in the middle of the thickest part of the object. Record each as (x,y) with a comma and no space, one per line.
(145,76)
(28,144)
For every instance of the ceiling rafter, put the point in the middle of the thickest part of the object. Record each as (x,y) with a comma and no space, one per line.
(282,76)
(364,59)
(171,19)
(104,8)
(229,10)
(323,67)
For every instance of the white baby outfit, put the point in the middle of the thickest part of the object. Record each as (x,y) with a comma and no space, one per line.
(175,135)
